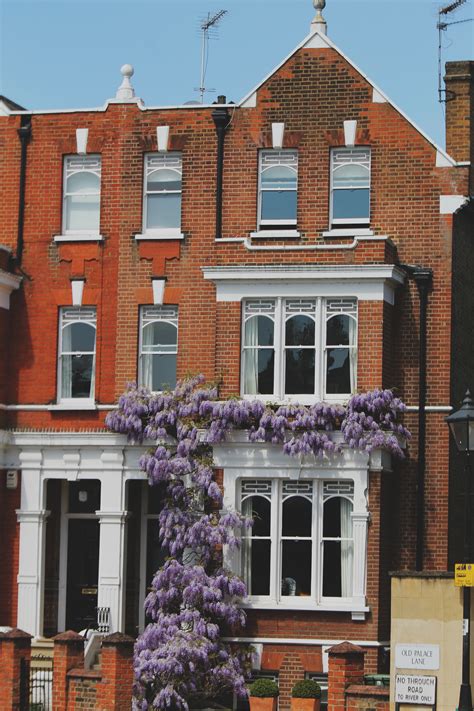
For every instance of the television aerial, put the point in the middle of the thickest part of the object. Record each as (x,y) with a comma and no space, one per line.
(442,26)
(208,29)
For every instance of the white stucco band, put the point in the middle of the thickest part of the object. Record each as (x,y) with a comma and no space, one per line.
(372,282)
(8,283)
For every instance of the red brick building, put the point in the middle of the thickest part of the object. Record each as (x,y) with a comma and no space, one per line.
(284,245)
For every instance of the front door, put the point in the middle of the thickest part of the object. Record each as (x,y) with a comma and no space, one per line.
(82,573)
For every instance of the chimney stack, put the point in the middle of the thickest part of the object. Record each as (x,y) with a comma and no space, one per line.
(459,81)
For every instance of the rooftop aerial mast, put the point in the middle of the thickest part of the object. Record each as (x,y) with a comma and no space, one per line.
(443,26)
(207,26)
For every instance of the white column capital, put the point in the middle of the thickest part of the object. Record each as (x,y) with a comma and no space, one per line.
(31,459)
(112,517)
(27,516)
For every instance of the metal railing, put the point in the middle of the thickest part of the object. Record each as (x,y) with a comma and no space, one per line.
(36,684)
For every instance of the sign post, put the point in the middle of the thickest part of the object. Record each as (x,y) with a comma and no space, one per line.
(464,575)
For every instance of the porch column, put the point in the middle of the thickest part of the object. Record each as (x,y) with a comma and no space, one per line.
(112,545)
(359,527)
(32,519)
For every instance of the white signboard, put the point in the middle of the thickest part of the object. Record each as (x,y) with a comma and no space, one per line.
(417,656)
(415,689)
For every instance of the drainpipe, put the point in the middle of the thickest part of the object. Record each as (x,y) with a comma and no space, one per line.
(423,277)
(220,117)
(24,134)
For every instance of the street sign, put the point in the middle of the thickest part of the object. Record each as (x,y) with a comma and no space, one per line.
(464,575)
(415,689)
(417,656)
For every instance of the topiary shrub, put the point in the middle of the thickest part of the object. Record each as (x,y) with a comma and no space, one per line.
(264,688)
(306,689)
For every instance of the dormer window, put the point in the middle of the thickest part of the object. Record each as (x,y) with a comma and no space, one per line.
(162,194)
(350,186)
(81,195)
(278,184)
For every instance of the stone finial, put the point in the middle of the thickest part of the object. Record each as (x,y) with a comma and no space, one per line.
(126,92)
(319,23)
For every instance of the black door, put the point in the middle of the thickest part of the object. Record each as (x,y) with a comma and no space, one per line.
(82,573)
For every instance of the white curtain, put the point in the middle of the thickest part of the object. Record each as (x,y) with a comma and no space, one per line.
(147,357)
(353,353)
(66,361)
(247,547)
(347,548)
(251,357)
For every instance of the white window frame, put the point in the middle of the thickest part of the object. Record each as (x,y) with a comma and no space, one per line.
(352,153)
(277,158)
(172,160)
(80,164)
(85,314)
(318,497)
(156,314)
(321,315)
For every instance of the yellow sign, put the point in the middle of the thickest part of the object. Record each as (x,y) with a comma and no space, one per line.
(464,575)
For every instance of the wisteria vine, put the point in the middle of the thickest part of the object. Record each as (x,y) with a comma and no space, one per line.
(194,600)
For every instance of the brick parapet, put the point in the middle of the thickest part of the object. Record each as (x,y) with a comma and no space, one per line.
(15,654)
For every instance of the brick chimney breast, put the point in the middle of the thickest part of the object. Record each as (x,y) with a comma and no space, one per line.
(459,81)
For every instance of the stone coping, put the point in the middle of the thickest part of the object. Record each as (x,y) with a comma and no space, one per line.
(81,673)
(364,690)
(427,574)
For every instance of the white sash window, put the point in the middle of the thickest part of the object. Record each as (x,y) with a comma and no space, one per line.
(278,186)
(158,347)
(350,186)
(77,344)
(162,193)
(300,549)
(81,195)
(299,349)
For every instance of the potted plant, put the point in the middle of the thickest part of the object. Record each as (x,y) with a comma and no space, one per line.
(306,696)
(263,695)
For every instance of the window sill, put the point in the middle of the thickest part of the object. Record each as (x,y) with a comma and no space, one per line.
(78,238)
(299,399)
(159,234)
(71,405)
(356,611)
(348,232)
(276,234)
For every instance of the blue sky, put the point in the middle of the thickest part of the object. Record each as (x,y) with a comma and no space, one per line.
(67,53)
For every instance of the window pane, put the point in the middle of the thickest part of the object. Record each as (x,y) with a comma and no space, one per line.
(84,496)
(332,569)
(163,210)
(278,205)
(82,212)
(296,568)
(299,375)
(279,176)
(256,558)
(300,331)
(351,175)
(258,371)
(78,337)
(297,515)
(159,334)
(338,331)
(347,204)
(332,518)
(259,331)
(164,180)
(155,556)
(159,371)
(83,182)
(338,377)
(259,509)
(77,375)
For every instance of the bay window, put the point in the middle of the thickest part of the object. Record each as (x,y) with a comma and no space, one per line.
(158,347)
(301,546)
(81,195)
(76,367)
(278,184)
(299,348)
(350,186)
(162,193)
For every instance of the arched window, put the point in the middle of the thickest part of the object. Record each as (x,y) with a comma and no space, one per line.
(338,547)
(350,186)
(81,194)
(340,351)
(258,350)
(278,187)
(162,192)
(77,353)
(257,542)
(158,347)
